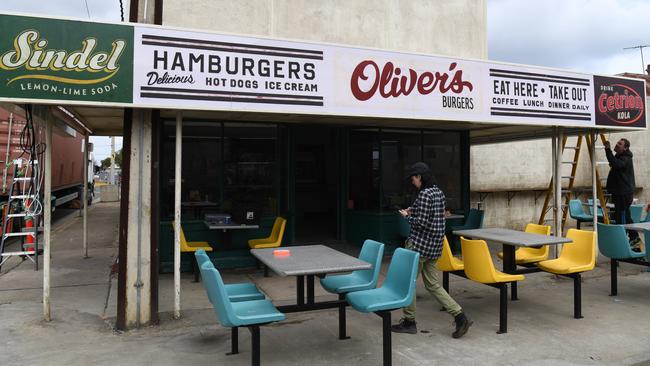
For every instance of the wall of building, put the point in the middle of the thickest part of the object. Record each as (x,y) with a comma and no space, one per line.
(515,166)
(455,28)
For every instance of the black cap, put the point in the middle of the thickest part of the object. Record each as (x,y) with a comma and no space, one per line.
(418,168)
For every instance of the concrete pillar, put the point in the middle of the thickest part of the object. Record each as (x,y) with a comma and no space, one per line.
(138,251)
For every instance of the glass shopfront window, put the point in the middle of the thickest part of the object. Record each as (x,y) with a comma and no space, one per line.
(380,158)
(225,167)
(364,169)
(399,150)
(442,153)
(250,167)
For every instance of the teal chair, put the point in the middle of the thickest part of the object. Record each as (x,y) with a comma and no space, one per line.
(371,252)
(474,220)
(614,243)
(396,292)
(577,213)
(404,227)
(590,205)
(636,211)
(236,291)
(250,314)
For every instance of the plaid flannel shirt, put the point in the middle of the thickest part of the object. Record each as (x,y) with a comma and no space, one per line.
(427,221)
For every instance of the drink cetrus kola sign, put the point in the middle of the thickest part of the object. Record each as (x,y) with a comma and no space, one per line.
(618,103)
(66,60)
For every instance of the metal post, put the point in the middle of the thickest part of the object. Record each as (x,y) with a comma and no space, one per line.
(614,278)
(577,296)
(342,319)
(594,192)
(85,199)
(111,177)
(503,308)
(177,215)
(4,172)
(47,215)
(255,344)
(558,184)
(554,180)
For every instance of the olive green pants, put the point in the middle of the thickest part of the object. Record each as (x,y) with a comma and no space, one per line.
(430,278)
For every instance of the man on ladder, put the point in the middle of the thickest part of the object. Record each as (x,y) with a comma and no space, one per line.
(620,183)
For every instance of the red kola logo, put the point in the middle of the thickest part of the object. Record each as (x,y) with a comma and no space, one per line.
(620,103)
(390,82)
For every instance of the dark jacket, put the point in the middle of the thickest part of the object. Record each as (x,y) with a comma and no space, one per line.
(621,175)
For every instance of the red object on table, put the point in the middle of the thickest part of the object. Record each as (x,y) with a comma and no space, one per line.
(282,252)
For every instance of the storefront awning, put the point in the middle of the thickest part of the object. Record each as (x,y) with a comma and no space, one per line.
(98,69)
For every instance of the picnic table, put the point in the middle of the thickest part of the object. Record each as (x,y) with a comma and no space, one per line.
(310,261)
(510,239)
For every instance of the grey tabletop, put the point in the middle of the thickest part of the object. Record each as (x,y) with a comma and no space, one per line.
(513,237)
(309,260)
(638,227)
(231,226)
(454,216)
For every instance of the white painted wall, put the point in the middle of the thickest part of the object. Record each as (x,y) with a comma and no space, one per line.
(456,28)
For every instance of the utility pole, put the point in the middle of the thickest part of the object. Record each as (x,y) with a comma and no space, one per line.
(640,47)
(111,176)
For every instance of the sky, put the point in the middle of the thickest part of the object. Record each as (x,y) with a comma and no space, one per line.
(581,35)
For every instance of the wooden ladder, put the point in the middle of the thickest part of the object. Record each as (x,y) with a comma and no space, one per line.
(568,191)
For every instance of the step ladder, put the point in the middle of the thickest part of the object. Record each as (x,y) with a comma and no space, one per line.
(567,190)
(22,203)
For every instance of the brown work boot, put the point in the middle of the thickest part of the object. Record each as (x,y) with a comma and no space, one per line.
(405,326)
(462,325)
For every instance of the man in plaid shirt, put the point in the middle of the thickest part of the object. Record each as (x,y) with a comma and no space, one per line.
(427,219)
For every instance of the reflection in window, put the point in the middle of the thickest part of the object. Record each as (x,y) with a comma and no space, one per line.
(364,169)
(399,150)
(442,154)
(249,167)
(225,167)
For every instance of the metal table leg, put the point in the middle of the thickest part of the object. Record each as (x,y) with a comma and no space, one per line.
(342,319)
(310,289)
(300,290)
(509,266)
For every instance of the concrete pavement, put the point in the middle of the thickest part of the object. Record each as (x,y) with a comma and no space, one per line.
(541,329)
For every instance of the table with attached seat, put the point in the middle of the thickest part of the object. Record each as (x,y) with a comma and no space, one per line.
(310,261)
(510,239)
(227,237)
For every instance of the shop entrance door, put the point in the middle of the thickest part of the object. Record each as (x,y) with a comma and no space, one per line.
(316,183)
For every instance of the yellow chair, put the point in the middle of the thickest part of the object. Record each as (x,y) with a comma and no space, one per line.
(532,255)
(191,247)
(448,263)
(480,268)
(274,240)
(576,257)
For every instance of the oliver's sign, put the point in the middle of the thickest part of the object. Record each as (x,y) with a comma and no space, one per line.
(65,60)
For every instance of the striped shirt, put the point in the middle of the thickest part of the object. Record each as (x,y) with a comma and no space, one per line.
(427,221)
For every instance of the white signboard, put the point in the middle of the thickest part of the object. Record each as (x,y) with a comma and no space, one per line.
(194,70)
